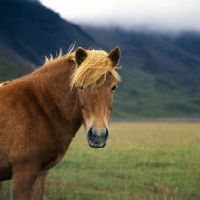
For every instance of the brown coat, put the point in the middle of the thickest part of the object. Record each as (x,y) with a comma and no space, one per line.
(39,116)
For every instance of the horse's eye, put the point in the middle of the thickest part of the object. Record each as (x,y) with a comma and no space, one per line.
(114,88)
(81,88)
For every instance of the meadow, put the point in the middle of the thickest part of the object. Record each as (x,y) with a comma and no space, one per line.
(142,161)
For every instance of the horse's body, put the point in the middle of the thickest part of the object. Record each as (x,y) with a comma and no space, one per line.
(41,113)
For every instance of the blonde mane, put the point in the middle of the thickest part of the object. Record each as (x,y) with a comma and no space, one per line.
(95,66)
(5,83)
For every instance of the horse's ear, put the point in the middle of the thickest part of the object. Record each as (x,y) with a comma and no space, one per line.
(114,56)
(80,55)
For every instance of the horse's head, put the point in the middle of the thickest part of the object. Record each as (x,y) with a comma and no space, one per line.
(96,80)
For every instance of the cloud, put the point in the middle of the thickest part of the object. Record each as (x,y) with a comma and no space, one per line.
(163,15)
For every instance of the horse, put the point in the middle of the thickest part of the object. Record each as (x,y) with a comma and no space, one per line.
(40,114)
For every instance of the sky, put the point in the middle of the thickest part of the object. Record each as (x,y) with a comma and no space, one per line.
(153,15)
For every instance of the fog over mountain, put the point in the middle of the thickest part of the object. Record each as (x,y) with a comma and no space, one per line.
(153,15)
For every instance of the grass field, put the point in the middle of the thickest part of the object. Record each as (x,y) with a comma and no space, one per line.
(142,161)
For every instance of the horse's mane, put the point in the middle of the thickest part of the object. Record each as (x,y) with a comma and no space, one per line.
(95,66)
(4,83)
(7,82)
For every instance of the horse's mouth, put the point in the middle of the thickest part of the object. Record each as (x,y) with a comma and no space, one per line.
(93,144)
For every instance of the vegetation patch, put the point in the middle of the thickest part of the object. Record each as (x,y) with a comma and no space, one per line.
(8,71)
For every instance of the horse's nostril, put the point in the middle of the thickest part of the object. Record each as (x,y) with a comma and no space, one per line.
(90,134)
(107,134)
(97,134)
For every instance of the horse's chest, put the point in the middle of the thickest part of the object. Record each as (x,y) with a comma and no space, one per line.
(52,162)
(5,175)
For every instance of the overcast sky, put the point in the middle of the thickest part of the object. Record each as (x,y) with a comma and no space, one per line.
(162,15)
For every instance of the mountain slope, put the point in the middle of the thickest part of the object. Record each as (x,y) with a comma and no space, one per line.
(161,74)
(33,31)
(12,65)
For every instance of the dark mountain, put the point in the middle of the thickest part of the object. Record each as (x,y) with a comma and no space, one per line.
(160,73)
(31,30)
(12,65)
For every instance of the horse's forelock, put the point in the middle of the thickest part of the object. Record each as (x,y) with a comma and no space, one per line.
(96,65)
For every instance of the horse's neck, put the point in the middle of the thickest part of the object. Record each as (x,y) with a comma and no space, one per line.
(53,88)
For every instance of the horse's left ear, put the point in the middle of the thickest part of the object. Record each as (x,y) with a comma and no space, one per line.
(114,56)
(80,55)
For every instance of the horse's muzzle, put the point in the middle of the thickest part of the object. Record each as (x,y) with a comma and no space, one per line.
(97,137)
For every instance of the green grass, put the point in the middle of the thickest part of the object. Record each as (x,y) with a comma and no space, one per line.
(142,160)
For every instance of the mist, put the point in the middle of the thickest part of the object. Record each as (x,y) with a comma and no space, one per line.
(154,15)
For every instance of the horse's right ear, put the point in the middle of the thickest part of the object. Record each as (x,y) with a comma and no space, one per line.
(80,55)
(114,56)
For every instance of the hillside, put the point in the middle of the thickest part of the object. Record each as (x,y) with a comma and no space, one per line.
(32,30)
(160,73)
(12,65)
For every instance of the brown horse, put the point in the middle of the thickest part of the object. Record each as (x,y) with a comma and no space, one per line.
(40,114)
